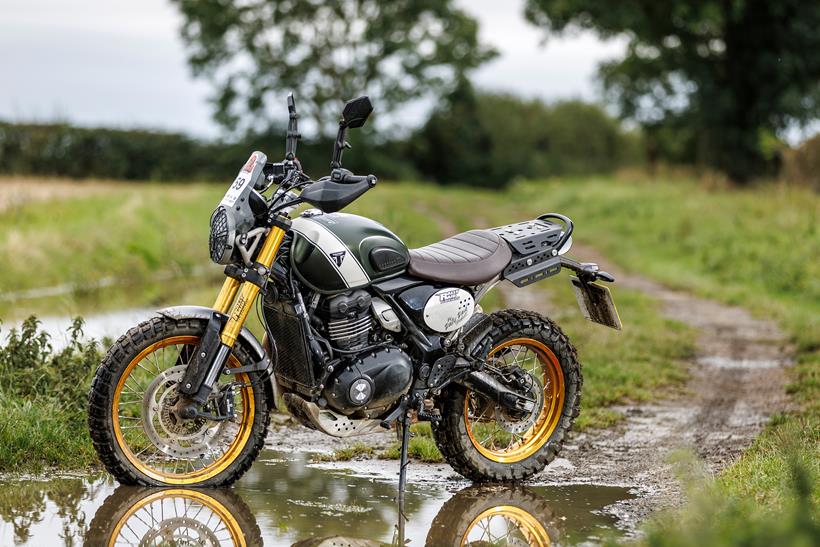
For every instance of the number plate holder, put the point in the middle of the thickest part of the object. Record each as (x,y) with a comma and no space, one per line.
(596,303)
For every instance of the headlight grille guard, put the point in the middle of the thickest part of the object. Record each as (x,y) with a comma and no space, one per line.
(222,236)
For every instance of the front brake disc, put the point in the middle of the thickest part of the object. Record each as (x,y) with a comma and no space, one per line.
(183,439)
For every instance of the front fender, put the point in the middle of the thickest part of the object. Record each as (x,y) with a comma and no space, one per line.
(246,337)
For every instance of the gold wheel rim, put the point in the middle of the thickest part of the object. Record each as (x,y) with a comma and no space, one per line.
(523,521)
(528,443)
(195,475)
(222,512)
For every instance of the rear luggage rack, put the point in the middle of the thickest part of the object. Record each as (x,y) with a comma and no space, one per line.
(536,245)
(531,236)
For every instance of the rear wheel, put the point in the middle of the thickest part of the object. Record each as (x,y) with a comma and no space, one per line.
(132,418)
(485,441)
(489,515)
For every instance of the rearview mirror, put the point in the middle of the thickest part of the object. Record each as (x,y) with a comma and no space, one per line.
(356,112)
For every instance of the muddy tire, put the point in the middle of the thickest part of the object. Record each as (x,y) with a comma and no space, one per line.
(464,518)
(455,434)
(108,438)
(216,517)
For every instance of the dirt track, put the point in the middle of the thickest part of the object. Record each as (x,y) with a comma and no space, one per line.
(737,381)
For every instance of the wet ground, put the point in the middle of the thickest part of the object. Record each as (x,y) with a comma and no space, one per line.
(286,500)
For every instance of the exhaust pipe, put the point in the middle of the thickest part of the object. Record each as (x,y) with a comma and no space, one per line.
(488,386)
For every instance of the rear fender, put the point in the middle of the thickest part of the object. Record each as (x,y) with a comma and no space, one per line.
(257,351)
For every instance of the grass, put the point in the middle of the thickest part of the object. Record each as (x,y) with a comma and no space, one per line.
(40,434)
(422,447)
(757,248)
(712,518)
(356,451)
(137,234)
(43,395)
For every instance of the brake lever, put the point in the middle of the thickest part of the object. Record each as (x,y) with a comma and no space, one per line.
(605,276)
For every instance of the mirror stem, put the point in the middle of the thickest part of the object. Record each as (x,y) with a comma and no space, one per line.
(338,147)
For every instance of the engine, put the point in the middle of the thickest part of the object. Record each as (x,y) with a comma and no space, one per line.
(348,319)
(364,384)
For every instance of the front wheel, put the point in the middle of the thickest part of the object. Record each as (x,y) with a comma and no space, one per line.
(485,441)
(135,430)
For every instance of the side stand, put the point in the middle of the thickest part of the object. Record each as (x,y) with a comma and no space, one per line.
(405,442)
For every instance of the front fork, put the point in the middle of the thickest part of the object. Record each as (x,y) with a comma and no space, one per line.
(231,310)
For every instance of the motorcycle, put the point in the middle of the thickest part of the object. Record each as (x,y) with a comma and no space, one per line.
(361,334)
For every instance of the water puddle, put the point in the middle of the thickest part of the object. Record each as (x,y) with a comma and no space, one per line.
(97,326)
(718,361)
(283,500)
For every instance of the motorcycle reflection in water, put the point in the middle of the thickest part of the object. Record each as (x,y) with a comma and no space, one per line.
(511,516)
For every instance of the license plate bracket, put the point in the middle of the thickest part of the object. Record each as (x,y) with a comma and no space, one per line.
(596,303)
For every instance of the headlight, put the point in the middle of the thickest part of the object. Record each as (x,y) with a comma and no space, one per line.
(223,235)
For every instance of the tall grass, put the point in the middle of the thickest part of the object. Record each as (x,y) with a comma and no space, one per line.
(43,397)
(714,519)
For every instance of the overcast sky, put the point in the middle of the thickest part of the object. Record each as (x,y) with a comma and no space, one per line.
(121,62)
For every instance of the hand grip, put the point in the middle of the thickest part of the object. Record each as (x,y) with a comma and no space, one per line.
(343,176)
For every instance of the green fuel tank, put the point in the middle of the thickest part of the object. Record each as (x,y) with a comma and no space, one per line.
(337,252)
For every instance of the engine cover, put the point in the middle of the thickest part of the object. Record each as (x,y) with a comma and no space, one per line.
(448,309)
(371,382)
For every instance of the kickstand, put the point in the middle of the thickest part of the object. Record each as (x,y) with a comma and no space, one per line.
(405,442)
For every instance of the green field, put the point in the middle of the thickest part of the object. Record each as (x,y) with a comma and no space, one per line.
(757,248)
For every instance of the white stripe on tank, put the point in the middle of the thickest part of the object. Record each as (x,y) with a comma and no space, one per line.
(329,243)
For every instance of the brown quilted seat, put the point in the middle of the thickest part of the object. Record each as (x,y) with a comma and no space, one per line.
(469,258)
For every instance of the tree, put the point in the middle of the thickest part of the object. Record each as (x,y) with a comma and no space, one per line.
(489,139)
(325,51)
(733,74)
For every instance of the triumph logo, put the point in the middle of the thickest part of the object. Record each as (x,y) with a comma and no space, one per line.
(338,257)
(448,296)
(359,392)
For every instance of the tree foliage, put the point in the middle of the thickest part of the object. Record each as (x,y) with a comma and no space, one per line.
(325,51)
(731,74)
(801,165)
(487,139)
(477,139)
